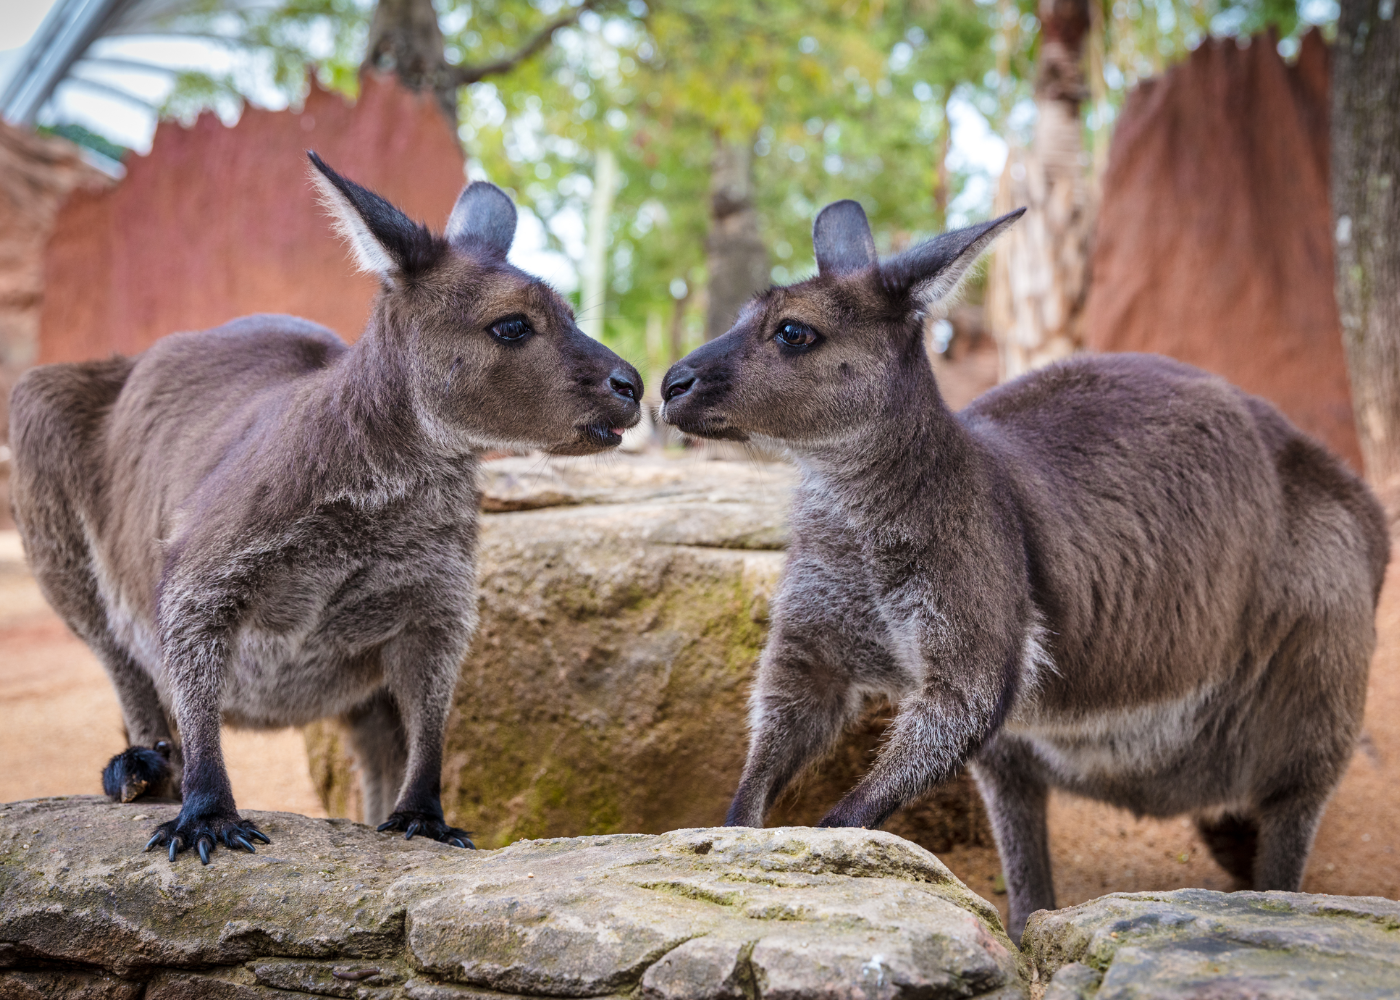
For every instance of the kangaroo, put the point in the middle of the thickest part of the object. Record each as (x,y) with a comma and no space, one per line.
(1118,575)
(260,525)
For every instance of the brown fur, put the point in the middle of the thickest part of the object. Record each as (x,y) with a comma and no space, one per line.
(261,525)
(1118,575)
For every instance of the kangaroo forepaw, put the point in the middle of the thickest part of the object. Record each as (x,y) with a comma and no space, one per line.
(140,772)
(204,833)
(415,824)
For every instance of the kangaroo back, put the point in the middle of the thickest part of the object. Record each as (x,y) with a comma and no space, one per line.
(58,422)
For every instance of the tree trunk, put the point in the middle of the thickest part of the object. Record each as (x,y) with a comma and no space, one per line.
(735,254)
(1365,134)
(405,38)
(1040,280)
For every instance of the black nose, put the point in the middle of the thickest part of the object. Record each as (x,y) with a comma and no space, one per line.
(678,382)
(623,383)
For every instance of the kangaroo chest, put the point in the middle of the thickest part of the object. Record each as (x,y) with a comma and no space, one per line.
(322,604)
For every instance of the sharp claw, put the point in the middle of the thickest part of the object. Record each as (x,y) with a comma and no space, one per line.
(243,841)
(259,835)
(457,843)
(412,829)
(153,841)
(204,850)
(174,841)
(387,824)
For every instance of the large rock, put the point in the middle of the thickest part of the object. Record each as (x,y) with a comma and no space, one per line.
(623,608)
(1193,943)
(332,909)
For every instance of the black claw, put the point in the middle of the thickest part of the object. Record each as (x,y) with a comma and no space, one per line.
(243,842)
(204,850)
(412,829)
(259,835)
(385,825)
(173,847)
(153,841)
(457,843)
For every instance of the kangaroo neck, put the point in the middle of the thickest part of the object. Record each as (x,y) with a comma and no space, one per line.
(368,416)
(908,475)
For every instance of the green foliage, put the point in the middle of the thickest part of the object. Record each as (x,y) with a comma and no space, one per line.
(839,98)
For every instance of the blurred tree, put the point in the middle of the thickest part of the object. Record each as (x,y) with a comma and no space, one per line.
(405,38)
(1042,276)
(823,100)
(1365,131)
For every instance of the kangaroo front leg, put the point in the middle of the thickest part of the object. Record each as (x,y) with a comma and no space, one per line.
(933,735)
(421,674)
(208,816)
(825,650)
(791,728)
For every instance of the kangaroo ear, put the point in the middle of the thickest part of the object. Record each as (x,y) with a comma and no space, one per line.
(842,240)
(383,240)
(483,219)
(932,271)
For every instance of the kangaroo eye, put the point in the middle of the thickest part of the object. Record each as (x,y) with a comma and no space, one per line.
(511,328)
(794,334)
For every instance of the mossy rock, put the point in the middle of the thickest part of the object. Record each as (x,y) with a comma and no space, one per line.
(622,612)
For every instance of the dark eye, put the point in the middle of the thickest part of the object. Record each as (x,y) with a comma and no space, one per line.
(794,334)
(511,328)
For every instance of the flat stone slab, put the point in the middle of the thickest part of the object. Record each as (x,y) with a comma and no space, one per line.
(332,908)
(1194,944)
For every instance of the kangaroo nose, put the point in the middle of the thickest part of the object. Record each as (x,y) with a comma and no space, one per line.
(678,382)
(623,383)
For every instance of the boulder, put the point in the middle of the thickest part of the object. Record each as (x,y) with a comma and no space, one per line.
(331,908)
(1194,943)
(623,606)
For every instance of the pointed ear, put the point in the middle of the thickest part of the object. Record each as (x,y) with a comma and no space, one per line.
(842,240)
(932,271)
(382,239)
(483,219)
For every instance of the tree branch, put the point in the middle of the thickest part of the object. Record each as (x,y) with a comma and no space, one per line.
(461,76)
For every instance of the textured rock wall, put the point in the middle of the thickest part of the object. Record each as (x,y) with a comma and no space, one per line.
(1214,239)
(220,222)
(623,607)
(332,909)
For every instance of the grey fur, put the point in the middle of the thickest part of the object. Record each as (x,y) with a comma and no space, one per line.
(1119,575)
(260,525)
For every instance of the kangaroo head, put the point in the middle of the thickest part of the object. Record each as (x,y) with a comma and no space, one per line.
(817,362)
(492,355)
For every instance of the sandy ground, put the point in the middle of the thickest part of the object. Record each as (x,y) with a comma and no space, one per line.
(59,723)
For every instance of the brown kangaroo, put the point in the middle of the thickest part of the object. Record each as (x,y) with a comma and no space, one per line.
(260,525)
(1118,575)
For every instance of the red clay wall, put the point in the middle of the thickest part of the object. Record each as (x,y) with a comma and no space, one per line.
(1214,240)
(219,222)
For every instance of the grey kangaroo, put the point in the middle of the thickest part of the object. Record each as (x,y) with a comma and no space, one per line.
(260,524)
(1118,575)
